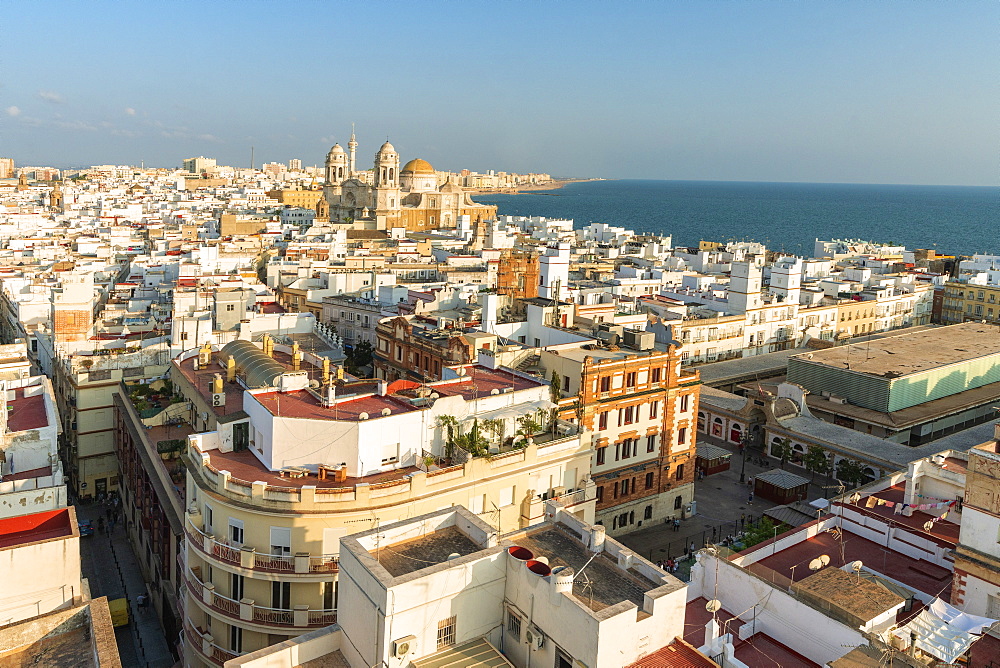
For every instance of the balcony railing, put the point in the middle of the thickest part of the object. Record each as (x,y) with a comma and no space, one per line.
(206,647)
(247,611)
(245,557)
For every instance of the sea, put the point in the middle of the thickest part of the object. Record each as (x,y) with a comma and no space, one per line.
(786,217)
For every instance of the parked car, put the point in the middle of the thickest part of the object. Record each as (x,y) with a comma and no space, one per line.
(86,528)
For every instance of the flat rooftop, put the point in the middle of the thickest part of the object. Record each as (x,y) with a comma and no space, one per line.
(37,527)
(912,352)
(26,412)
(603,584)
(943,532)
(792,564)
(758,651)
(428,550)
(245,466)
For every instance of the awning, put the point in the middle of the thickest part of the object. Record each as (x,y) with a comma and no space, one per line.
(957,619)
(515,411)
(936,637)
(472,654)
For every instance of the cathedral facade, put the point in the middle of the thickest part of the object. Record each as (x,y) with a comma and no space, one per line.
(391,197)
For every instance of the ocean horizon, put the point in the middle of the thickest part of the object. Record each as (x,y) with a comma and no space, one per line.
(785,216)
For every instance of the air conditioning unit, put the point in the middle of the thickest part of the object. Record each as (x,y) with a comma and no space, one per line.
(404,646)
(534,637)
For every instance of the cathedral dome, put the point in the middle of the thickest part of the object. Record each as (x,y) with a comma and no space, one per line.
(337,148)
(387,148)
(417,166)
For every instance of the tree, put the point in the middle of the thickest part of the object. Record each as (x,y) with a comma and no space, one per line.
(764,530)
(850,472)
(782,450)
(816,461)
(529,426)
(554,396)
(359,358)
(497,427)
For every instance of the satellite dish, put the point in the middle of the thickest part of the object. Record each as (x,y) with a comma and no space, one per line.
(928,525)
(713,606)
(856,566)
(825,558)
(712,551)
(815,564)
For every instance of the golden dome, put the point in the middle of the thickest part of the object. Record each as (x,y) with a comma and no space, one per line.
(417,166)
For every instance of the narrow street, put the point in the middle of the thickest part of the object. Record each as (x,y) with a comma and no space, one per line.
(111,568)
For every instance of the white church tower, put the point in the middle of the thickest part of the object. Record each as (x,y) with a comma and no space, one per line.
(386,193)
(553,269)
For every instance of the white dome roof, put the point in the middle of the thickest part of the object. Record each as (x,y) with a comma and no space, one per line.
(337,148)
(387,148)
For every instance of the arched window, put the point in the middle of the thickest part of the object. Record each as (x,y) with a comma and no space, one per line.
(701,422)
(391,173)
(717,427)
(736,432)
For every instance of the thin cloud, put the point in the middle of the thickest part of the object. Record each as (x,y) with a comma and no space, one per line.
(13,111)
(129,111)
(50,96)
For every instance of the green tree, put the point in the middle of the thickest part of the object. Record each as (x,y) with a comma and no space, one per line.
(359,358)
(850,472)
(782,450)
(816,461)
(529,426)
(497,427)
(554,396)
(763,530)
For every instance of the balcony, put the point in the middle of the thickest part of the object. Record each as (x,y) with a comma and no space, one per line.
(204,645)
(247,557)
(247,611)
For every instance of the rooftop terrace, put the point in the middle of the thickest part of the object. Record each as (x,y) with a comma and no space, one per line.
(26,412)
(37,527)
(602,584)
(417,553)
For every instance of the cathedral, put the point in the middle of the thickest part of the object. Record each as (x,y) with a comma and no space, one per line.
(389,197)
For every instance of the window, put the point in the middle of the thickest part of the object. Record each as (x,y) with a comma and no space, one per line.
(602,421)
(446,633)
(281,541)
(600,494)
(654,409)
(626,448)
(605,383)
(647,514)
(685,402)
(513,625)
(629,415)
(682,436)
(654,375)
(649,481)
(329,595)
(651,443)
(184,336)
(601,455)
(399,353)
(507,496)
(208,519)
(565,384)
(230,307)
(235,586)
(236,532)
(679,472)
(678,500)
(614,489)
(236,639)
(630,379)
(281,595)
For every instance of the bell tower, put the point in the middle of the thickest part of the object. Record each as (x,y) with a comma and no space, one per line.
(386,190)
(352,146)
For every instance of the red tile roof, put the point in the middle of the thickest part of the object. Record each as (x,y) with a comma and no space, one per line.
(677,654)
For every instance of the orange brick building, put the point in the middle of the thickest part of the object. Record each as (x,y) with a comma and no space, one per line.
(642,408)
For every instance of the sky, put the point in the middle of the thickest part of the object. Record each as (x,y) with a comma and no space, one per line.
(855,92)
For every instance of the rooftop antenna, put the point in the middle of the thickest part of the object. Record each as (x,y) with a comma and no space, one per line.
(251,157)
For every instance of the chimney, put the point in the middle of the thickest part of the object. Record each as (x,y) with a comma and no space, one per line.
(326,370)
(231,369)
(205,354)
(217,386)
(383,388)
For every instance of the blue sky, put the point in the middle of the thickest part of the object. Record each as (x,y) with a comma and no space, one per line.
(873,92)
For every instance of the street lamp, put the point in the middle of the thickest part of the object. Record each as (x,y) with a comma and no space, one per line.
(744,446)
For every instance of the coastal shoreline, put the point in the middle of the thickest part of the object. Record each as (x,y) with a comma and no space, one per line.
(554,184)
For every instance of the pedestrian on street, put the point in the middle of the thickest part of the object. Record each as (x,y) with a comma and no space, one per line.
(750,500)
(677,524)
(692,548)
